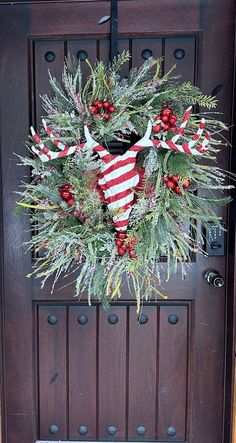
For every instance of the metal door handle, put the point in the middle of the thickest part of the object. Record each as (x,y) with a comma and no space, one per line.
(213,278)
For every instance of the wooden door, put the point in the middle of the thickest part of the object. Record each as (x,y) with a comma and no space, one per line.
(73,372)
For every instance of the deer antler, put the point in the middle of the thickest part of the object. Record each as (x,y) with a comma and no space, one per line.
(46,154)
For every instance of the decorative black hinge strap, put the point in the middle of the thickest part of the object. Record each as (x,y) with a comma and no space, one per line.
(114,29)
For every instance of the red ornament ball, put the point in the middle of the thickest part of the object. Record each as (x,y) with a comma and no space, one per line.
(165,179)
(118,242)
(178,190)
(165,118)
(156,128)
(106,104)
(167,112)
(166,127)
(112,109)
(121,251)
(121,235)
(170,185)
(175,178)
(65,195)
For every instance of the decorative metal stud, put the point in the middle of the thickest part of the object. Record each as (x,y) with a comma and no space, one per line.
(142,319)
(179,53)
(82,319)
(82,55)
(53,429)
(50,56)
(52,320)
(141,430)
(173,319)
(111,430)
(171,431)
(83,430)
(112,319)
(147,53)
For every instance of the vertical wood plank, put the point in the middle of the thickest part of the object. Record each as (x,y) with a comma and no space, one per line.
(46,49)
(173,361)
(177,47)
(81,48)
(142,373)
(82,372)
(112,373)
(141,46)
(52,372)
(104,50)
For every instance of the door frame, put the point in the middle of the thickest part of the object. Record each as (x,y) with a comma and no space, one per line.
(230,320)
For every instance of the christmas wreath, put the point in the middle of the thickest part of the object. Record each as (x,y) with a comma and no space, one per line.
(116,173)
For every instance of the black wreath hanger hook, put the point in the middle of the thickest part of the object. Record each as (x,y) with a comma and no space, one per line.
(113,18)
(114,30)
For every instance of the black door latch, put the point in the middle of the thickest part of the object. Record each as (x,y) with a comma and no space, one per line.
(215,239)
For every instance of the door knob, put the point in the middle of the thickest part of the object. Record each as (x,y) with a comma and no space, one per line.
(213,278)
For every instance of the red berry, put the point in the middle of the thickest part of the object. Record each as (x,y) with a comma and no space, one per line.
(165,179)
(165,118)
(173,128)
(106,104)
(95,102)
(172,120)
(71,201)
(186,185)
(112,108)
(64,187)
(170,185)
(166,111)
(118,242)
(166,127)
(178,190)
(65,195)
(92,109)
(132,254)
(121,251)
(130,246)
(158,117)
(106,116)
(175,178)
(99,105)
(156,128)
(121,235)
(133,239)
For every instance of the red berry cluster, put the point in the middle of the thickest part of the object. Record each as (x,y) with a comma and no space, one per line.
(123,246)
(172,182)
(165,121)
(66,193)
(102,109)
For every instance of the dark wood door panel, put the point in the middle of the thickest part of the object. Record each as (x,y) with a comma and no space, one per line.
(173,392)
(82,364)
(135,17)
(114,374)
(52,371)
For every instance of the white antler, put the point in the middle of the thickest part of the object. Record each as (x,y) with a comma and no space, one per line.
(46,154)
